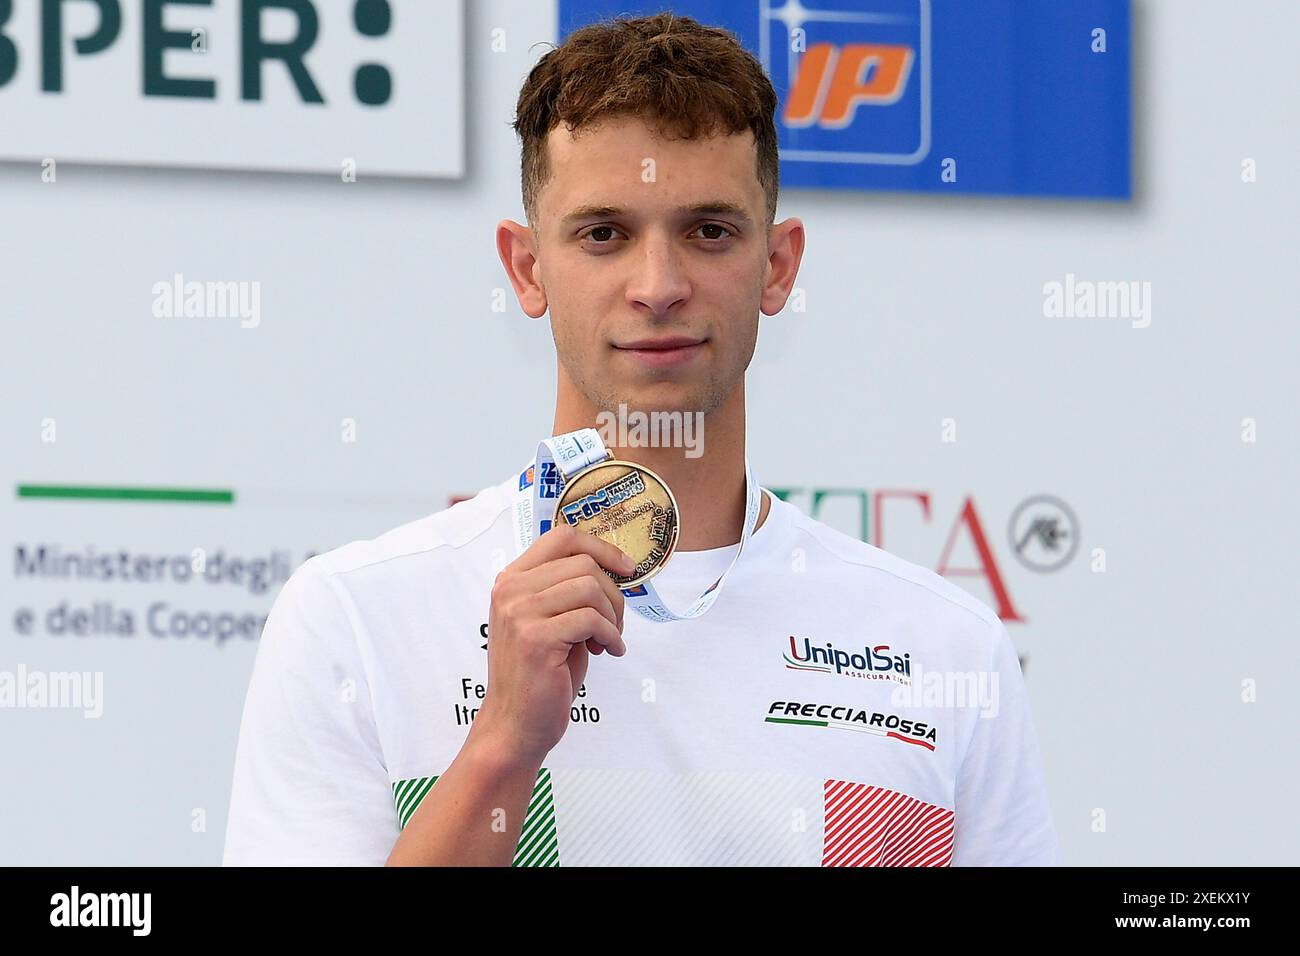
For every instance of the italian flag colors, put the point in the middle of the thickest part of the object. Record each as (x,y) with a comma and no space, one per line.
(538,845)
(861,825)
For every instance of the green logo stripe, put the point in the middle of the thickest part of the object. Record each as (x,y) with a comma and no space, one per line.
(538,842)
(220,496)
(789,720)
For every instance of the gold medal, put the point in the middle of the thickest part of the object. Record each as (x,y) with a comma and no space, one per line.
(628,505)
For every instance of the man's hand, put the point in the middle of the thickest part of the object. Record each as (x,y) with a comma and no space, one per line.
(551,607)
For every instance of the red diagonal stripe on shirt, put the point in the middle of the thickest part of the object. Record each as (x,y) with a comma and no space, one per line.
(874,826)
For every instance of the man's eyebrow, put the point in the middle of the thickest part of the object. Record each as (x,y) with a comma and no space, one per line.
(719,207)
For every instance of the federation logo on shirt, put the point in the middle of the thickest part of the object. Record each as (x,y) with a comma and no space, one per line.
(838,717)
(868,663)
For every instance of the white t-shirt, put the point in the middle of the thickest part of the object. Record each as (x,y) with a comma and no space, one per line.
(770,731)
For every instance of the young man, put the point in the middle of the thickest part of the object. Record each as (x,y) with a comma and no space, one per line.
(429,697)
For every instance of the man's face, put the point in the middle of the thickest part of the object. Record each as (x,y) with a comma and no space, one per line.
(647,242)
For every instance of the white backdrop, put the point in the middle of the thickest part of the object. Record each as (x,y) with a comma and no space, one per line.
(376,307)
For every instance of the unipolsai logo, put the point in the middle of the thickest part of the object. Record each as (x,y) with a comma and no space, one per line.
(880,662)
(853,79)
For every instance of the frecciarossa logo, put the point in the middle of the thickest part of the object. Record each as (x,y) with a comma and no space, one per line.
(839,717)
(870,663)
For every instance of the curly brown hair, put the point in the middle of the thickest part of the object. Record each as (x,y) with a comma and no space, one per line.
(683,78)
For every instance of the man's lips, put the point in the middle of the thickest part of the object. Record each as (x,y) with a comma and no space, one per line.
(663,342)
(663,352)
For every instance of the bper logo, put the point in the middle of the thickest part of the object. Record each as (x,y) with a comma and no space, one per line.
(349,88)
(372,83)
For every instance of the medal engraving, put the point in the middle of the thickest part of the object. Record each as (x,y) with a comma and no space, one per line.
(627,505)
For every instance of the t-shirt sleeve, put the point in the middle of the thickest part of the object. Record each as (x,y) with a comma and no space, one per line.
(1003,817)
(310,784)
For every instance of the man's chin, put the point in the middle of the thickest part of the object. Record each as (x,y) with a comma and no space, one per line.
(658,419)
(659,401)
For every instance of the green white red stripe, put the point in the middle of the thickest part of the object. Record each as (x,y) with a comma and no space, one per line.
(538,842)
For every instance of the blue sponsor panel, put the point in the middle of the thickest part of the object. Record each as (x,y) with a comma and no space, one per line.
(1011,97)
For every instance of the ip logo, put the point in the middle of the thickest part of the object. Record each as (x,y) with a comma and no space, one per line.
(853,78)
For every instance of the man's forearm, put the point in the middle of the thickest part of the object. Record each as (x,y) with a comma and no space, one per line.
(475,812)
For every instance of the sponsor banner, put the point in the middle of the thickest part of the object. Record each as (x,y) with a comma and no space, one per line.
(977,96)
(347,88)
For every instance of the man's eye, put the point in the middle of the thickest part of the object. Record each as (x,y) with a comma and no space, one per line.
(714,225)
(600,234)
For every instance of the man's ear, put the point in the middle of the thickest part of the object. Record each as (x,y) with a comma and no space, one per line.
(517,247)
(785,251)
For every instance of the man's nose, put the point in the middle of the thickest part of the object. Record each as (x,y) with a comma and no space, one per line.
(659,280)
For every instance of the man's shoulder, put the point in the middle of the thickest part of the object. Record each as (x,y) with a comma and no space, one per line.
(894,579)
(453,528)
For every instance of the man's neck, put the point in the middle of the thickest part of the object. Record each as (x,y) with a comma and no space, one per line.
(709,488)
